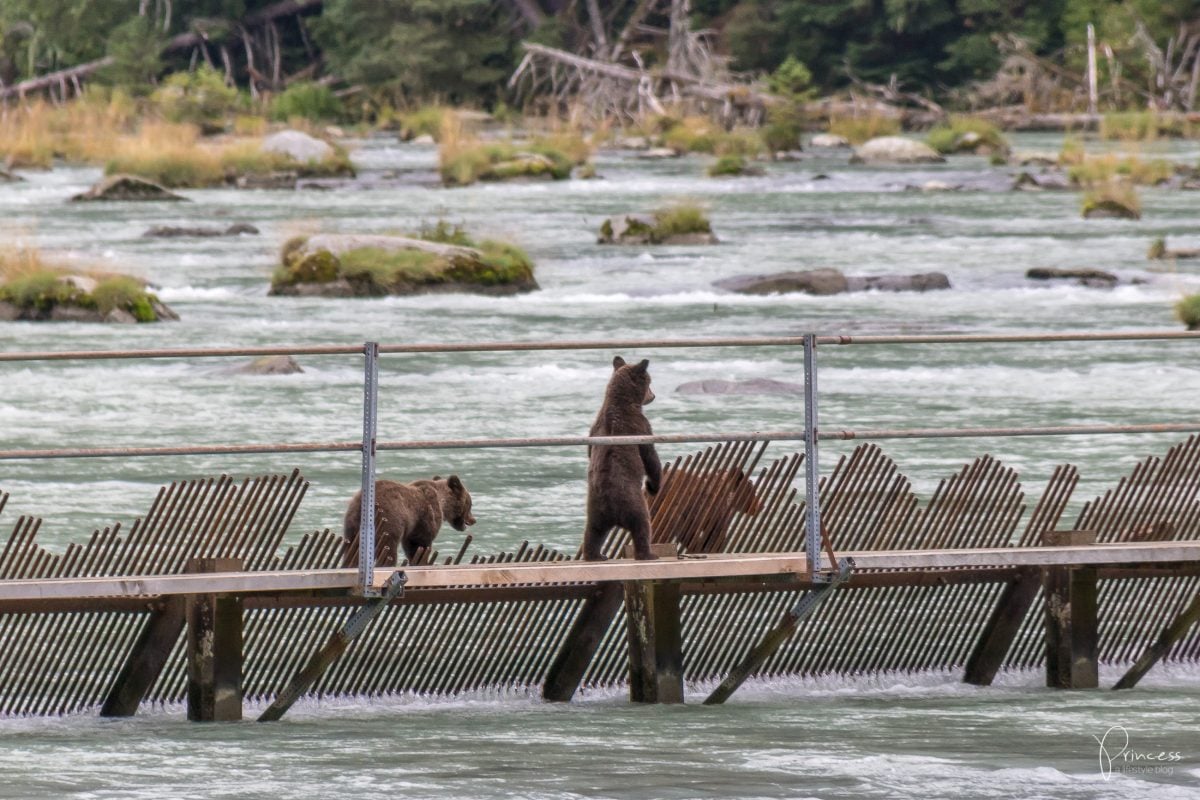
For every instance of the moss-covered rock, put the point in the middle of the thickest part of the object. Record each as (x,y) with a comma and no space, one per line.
(680,224)
(57,296)
(733,165)
(370,266)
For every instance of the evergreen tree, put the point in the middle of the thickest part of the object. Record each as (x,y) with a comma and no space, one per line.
(454,50)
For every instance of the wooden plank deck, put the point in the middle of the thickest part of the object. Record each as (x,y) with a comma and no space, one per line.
(504,576)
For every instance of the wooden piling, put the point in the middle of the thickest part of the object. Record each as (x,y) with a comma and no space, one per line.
(655,634)
(655,642)
(997,636)
(581,643)
(214,649)
(1072,631)
(146,659)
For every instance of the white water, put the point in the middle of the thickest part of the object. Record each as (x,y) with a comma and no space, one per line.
(906,736)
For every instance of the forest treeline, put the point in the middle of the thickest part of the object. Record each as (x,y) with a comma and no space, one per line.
(404,52)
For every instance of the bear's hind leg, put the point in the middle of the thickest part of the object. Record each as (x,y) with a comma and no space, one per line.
(593,540)
(640,529)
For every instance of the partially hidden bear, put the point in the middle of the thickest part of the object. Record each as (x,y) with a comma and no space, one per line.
(695,508)
(616,473)
(407,516)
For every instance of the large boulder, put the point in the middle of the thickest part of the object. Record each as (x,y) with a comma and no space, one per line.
(831,281)
(298,146)
(755,386)
(125,187)
(895,150)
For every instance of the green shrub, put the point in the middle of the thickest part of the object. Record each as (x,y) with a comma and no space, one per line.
(1143,126)
(40,290)
(784,125)
(1116,197)
(679,219)
(1101,169)
(967,134)
(1188,311)
(728,165)
(199,97)
(857,130)
(306,100)
(128,294)
(425,120)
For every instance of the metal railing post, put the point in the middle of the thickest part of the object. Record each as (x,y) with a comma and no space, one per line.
(812,472)
(366,528)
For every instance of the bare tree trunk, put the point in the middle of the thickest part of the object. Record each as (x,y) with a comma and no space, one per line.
(597,26)
(640,11)
(1091,68)
(677,36)
(529,11)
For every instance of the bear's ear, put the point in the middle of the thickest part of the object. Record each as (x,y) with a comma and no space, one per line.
(454,483)
(437,477)
(618,362)
(642,365)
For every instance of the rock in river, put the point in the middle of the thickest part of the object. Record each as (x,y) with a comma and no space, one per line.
(125,187)
(832,281)
(895,150)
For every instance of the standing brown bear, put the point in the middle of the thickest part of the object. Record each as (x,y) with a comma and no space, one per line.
(616,472)
(408,516)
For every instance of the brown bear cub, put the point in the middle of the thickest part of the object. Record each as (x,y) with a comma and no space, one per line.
(408,516)
(696,508)
(616,472)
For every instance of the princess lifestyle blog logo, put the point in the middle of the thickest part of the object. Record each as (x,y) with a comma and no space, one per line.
(1117,756)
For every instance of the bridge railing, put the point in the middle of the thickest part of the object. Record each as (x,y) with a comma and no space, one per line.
(811,433)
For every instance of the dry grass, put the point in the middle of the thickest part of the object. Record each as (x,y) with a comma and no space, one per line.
(859,129)
(33,135)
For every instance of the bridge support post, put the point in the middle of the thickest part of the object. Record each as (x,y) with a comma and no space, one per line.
(146,660)
(1012,606)
(655,641)
(214,649)
(1072,631)
(582,642)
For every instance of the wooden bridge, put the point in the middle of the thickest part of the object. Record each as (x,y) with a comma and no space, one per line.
(199,601)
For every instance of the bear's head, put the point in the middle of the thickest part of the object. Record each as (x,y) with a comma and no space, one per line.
(456,504)
(630,383)
(742,494)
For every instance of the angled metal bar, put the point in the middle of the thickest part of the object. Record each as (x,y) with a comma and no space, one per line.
(336,645)
(1172,634)
(772,641)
